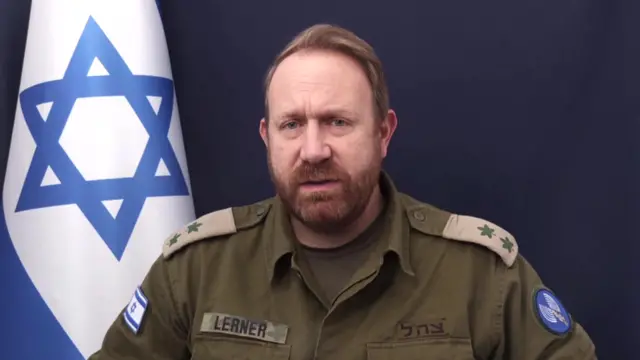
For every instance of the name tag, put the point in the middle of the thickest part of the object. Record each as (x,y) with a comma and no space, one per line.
(243,327)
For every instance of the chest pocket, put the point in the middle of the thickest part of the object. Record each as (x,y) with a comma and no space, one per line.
(228,348)
(428,349)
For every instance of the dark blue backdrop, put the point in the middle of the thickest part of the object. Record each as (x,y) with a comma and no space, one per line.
(526,113)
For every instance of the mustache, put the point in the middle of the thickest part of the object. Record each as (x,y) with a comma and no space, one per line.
(317,172)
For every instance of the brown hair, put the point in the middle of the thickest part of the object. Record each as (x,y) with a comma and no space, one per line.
(335,38)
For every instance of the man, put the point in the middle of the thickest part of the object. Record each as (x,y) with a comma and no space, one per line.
(339,265)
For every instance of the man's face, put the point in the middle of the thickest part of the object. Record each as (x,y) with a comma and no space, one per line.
(324,145)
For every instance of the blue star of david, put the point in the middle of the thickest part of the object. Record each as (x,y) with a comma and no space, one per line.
(73,188)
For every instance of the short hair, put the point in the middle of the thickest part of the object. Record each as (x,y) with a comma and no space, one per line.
(343,41)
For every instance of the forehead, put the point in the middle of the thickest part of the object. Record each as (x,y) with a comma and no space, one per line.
(315,80)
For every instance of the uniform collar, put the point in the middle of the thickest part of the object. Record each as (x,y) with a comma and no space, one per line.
(395,233)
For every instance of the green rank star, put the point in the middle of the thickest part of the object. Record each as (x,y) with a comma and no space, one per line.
(486,231)
(507,244)
(193,227)
(174,239)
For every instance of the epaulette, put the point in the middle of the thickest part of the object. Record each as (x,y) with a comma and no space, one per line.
(215,224)
(437,222)
(482,232)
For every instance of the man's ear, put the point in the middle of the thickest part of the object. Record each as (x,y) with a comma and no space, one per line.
(387,129)
(264,132)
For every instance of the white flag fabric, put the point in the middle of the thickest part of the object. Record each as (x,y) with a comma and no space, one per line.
(96,177)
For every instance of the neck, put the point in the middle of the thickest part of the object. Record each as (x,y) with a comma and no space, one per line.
(310,238)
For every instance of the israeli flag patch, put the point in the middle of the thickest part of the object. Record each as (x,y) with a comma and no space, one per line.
(135,310)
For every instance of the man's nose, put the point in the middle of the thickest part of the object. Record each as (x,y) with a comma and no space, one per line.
(314,147)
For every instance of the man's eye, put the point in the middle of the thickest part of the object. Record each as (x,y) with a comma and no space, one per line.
(291,125)
(338,122)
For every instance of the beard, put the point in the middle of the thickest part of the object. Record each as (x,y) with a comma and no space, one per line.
(330,210)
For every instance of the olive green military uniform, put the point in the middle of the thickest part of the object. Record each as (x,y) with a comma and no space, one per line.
(436,285)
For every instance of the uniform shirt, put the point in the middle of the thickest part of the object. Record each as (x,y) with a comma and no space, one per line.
(436,286)
(328,271)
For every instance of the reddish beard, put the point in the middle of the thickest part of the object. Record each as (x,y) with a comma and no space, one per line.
(330,210)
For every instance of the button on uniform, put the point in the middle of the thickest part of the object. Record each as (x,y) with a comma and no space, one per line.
(419,215)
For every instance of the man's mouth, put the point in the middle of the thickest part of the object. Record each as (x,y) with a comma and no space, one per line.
(316,185)
(317,182)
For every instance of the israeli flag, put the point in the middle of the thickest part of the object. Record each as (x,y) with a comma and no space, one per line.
(96,177)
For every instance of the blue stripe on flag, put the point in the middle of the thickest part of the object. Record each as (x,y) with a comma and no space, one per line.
(131,322)
(141,299)
(29,329)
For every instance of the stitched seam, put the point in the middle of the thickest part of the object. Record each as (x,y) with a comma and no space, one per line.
(499,309)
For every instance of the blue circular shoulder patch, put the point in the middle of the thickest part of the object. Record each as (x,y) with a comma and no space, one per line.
(551,312)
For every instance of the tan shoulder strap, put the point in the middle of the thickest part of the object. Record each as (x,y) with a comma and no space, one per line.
(217,223)
(437,222)
(482,232)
